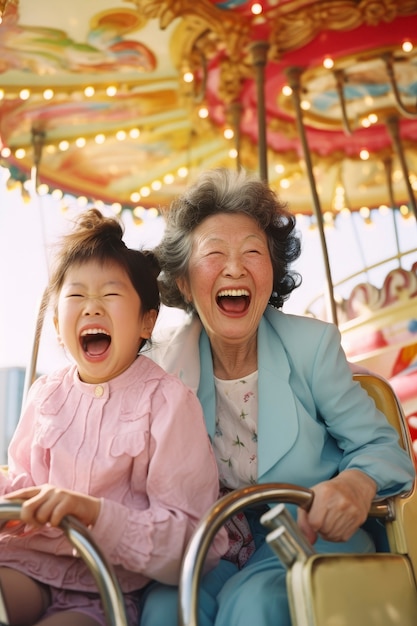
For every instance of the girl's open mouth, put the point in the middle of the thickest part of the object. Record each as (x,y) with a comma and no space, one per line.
(95,341)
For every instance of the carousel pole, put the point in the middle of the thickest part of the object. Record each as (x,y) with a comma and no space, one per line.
(388,175)
(38,141)
(259,50)
(293,75)
(394,131)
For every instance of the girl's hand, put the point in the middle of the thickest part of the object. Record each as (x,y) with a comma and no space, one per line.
(340,506)
(47,504)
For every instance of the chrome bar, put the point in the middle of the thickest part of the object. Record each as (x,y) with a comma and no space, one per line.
(219,513)
(284,546)
(278,517)
(101,570)
(205,532)
(382,509)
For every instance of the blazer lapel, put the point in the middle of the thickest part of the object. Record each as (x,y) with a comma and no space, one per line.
(277,414)
(277,417)
(206,390)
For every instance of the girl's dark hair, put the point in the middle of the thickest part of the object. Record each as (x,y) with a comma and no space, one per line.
(99,238)
(230,192)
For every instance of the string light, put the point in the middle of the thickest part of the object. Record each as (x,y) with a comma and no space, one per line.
(203,113)
(145,192)
(256,8)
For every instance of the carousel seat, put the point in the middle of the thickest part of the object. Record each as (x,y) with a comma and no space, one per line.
(328,589)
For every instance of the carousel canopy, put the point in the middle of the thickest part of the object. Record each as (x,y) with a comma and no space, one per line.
(127,101)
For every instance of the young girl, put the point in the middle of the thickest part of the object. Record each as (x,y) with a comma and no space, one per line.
(112,440)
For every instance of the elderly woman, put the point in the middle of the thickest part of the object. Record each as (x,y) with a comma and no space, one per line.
(277,392)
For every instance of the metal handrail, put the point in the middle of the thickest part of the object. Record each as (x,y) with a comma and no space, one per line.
(102,571)
(211,523)
(219,513)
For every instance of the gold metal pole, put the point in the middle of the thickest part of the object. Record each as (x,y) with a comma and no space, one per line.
(259,50)
(38,140)
(389,65)
(388,175)
(293,75)
(340,82)
(31,374)
(394,131)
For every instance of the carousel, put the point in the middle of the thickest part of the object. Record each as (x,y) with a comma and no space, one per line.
(125,102)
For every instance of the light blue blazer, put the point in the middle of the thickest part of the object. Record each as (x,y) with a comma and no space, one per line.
(314,421)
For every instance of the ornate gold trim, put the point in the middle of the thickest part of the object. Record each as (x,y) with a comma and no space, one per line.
(204,30)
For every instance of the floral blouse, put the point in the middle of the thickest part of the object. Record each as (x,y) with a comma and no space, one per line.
(236,440)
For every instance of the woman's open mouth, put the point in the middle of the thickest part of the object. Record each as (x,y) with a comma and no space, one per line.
(95,341)
(233,300)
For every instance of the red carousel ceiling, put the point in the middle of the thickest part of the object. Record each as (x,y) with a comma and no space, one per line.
(97,93)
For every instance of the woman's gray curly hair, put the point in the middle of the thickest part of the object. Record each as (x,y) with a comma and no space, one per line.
(230,192)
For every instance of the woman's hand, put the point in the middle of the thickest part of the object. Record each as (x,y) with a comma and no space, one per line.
(340,506)
(47,504)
